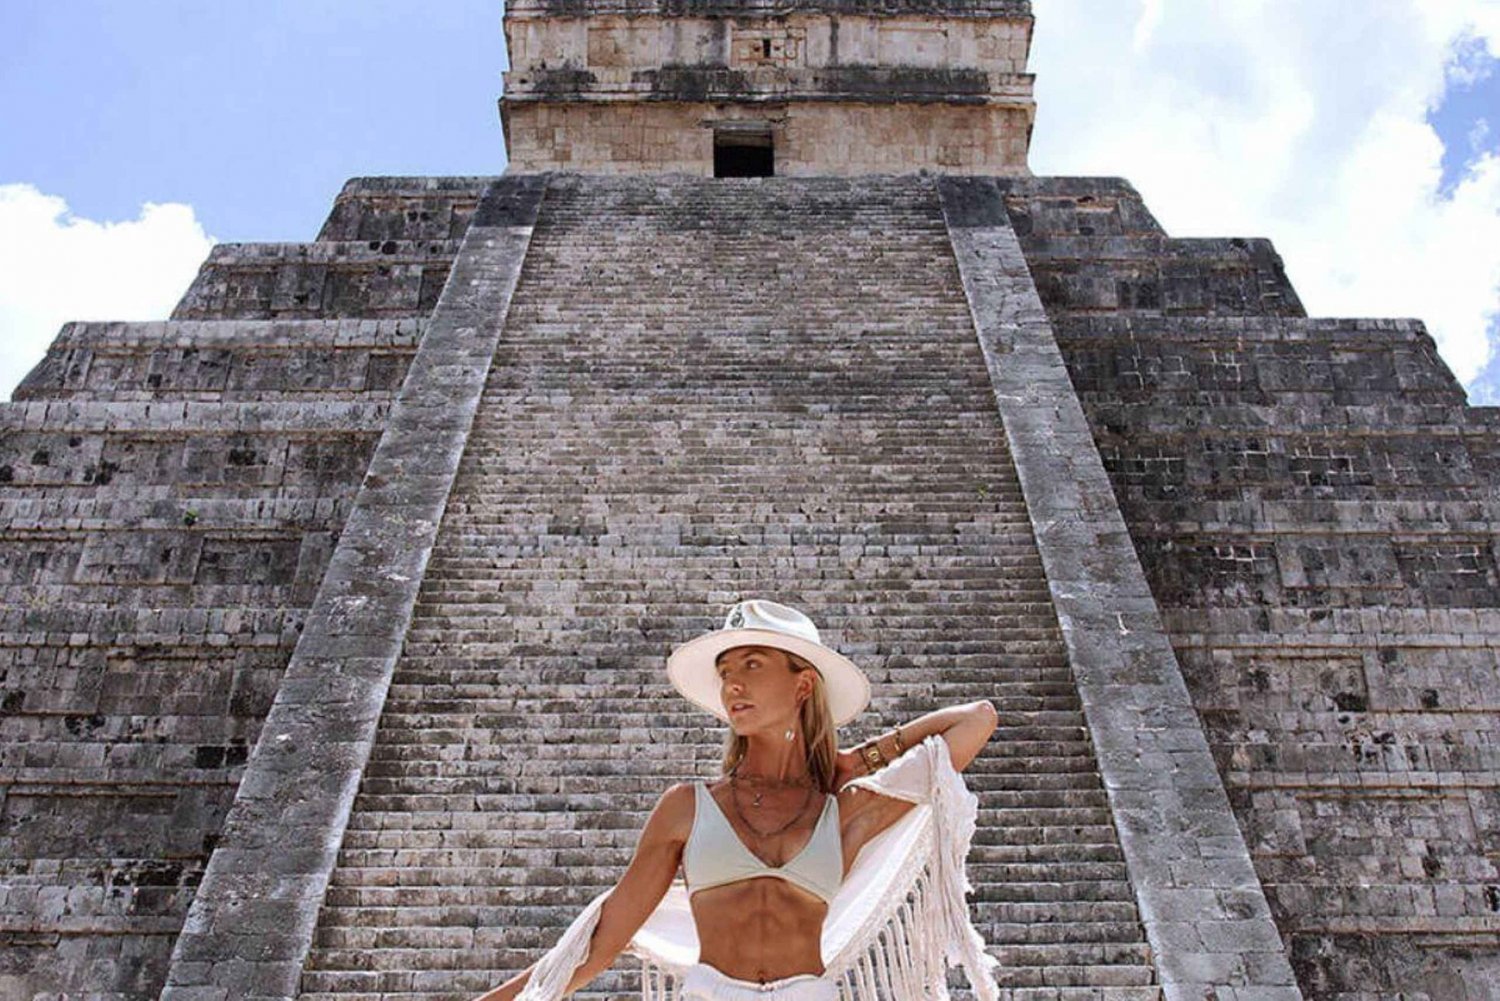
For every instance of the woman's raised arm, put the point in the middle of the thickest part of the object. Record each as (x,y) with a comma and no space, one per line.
(658,854)
(965,727)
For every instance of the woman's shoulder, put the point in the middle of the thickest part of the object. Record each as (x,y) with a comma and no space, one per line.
(678,796)
(673,812)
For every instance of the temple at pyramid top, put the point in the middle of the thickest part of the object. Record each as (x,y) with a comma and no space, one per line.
(763,87)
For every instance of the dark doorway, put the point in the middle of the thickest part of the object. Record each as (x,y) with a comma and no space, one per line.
(744,154)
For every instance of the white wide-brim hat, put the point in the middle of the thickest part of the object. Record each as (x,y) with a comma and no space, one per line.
(758,622)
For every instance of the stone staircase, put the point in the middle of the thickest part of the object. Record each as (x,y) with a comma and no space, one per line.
(710,390)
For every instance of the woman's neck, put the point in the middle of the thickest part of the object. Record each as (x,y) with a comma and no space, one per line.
(774,762)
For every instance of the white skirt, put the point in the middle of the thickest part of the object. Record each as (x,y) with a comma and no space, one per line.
(705,983)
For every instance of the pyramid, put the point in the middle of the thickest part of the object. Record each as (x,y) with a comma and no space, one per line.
(336,607)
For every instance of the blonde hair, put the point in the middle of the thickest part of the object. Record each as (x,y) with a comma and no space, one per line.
(814,719)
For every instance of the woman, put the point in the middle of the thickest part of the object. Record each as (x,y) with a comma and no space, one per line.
(766,849)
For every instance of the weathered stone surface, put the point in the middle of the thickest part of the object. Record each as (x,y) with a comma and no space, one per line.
(823,138)
(711,389)
(1292,438)
(1165,794)
(1229,573)
(404,208)
(156,560)
(222,360)
(680,8)
(374,279)
(838,88)
(170,497)
(1312,502)
(251,922)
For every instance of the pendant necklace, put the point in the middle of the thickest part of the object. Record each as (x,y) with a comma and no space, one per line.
(734,800)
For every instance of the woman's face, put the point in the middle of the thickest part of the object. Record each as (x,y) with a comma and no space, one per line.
(761,679)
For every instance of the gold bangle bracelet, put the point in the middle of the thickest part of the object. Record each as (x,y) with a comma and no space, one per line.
(874,757)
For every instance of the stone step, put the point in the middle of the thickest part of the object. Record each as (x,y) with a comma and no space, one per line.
(369,986)
(1040,759)
(484,579)
(467,554)
(615,486)
(568,848)
(1074,982)
(494,867)
(563,719)
(498,613)
(579,674)
(481,646)
(503,819)
(959,556)
(424,888)
(903,690)
(415,929)
(1020,723)
(999,754)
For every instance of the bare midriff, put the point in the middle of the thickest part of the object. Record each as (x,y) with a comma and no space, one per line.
(760,929)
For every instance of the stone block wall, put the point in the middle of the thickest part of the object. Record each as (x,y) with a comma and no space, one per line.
(380,278)
(612,46)
(1093,247)
(226,361)
(814,139)
(404,208)
(844,88)
(384,253)
(1313,504)
(170,496)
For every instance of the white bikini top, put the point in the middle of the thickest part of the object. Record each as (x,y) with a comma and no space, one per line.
(714,853)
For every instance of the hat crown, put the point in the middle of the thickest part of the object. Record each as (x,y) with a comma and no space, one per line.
(692,666)
(758,613)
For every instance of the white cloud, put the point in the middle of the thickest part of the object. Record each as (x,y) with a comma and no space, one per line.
(1150,20)
(1302,122)
(1470,64)
(1479,137)
(55,267)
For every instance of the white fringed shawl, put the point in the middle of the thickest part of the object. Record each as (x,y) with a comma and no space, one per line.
(898,921)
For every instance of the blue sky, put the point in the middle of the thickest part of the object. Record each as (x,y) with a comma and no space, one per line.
(1467,118)
(252,111)
(1363,136)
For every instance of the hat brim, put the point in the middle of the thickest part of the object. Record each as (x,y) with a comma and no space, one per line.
(691,670)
